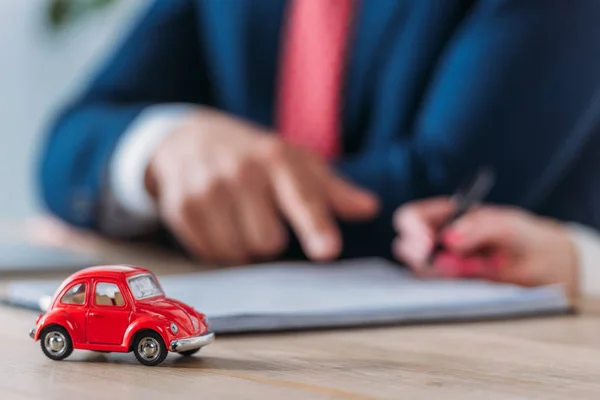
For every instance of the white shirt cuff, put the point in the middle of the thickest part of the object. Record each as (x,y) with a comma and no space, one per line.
(126,191)
(587,245)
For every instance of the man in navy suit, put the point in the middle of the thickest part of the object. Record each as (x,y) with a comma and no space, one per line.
(232,123)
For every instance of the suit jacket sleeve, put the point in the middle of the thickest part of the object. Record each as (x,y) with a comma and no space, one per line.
(162,49)
(511,90)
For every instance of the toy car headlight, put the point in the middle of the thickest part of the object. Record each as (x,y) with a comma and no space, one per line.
(174,328)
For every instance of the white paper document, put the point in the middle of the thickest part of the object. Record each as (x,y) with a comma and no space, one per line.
(347,293)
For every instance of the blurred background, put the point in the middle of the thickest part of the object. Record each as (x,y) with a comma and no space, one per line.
(48,48)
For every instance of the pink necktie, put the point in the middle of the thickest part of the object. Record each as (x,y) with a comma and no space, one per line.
(312,74)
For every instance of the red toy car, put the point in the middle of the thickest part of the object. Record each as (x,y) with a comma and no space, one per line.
(119,308)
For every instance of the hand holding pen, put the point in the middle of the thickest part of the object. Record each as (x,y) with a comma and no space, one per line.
(465,198)
(421,224)
(455,237)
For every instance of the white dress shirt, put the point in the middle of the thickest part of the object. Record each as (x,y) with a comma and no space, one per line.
(587,245)
(127,208)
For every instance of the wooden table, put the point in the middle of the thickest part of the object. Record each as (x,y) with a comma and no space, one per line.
(543,358)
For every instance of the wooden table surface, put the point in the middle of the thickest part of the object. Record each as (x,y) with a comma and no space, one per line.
(542,358)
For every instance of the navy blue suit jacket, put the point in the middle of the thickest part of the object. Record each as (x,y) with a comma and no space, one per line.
(433,89)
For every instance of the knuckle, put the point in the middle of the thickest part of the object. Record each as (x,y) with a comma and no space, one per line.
(240,170)
(274,151)
(206,188)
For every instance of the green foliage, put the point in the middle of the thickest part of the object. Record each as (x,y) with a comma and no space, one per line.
(60,13)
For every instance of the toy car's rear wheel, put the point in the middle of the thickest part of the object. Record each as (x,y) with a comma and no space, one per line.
(56,343)
(149,348)
(189,353)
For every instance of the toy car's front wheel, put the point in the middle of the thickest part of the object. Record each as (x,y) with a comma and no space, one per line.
(149,348)
(56,343)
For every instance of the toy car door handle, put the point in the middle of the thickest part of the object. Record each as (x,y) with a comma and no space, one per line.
(97,315)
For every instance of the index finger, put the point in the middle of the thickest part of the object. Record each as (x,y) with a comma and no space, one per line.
(304,204)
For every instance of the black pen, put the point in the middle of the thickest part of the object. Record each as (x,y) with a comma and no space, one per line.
(465,198)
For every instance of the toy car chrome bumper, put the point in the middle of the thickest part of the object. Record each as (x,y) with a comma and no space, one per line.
(191,343)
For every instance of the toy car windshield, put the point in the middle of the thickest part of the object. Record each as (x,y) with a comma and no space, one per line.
(144,286)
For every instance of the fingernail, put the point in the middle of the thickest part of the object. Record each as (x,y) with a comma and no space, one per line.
(452,237)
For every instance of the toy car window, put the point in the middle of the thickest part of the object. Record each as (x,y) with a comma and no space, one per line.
(108,294)
(144,286)
(75,295)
